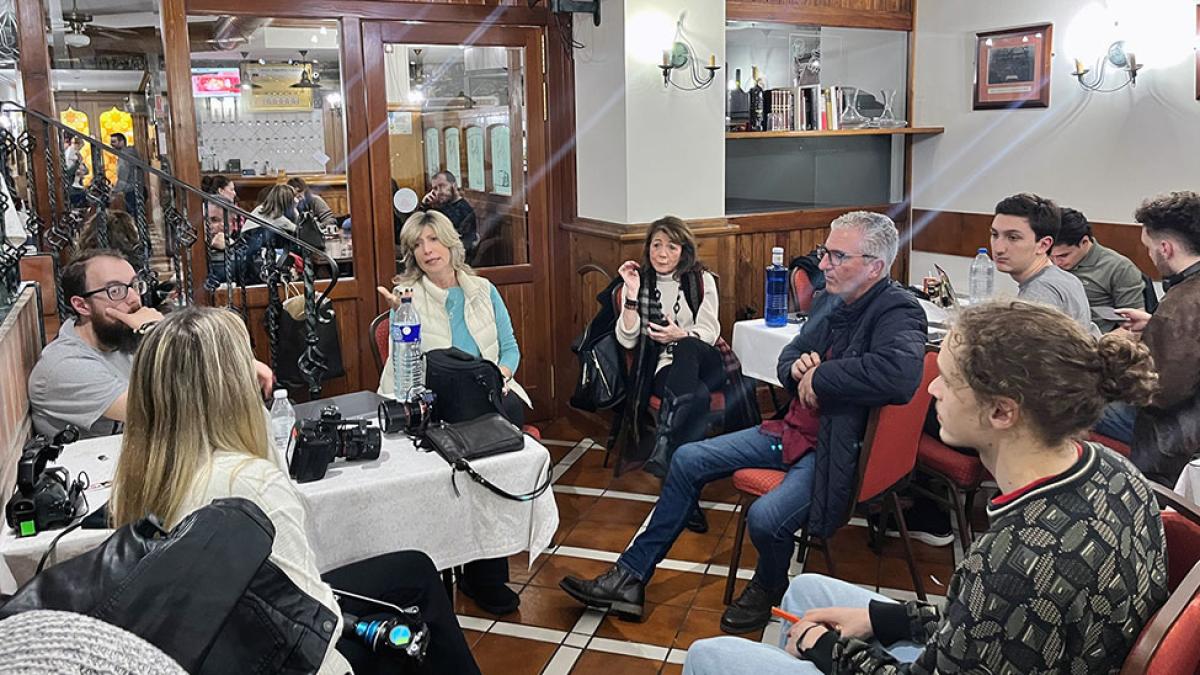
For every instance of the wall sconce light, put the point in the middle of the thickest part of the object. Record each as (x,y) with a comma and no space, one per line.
(681,55)
(1118,57)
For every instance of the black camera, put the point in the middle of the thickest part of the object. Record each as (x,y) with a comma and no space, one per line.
(316,443)
(45,499)
(411,416)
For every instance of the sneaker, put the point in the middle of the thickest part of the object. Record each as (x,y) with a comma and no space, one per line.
(927,523)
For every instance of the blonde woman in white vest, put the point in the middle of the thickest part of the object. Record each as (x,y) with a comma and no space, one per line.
(459,309)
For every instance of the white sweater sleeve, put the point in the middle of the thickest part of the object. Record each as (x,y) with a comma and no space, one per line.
(627,337)
(708,323)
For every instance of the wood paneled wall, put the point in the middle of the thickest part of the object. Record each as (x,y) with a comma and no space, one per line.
(886,14)
(20,346)
(959,233)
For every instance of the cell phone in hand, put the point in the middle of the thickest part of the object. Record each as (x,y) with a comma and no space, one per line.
(1107,313)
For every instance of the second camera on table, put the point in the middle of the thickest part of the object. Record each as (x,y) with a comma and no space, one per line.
(316,443)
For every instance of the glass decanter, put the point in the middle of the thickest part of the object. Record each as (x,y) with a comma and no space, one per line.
(851,118)
(887,118)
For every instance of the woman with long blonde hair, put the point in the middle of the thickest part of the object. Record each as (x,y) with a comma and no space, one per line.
(459,309)
(196,431)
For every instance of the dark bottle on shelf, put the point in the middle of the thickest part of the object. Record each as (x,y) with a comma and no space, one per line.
(756,103)
(737,103)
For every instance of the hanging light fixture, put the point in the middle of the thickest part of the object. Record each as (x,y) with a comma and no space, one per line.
(306,81)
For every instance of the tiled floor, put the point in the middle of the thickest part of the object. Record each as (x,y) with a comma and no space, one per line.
(599,515)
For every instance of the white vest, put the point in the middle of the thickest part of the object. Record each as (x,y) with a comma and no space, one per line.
(430,303)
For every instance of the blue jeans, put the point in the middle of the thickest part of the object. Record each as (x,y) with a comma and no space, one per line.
(771,520)
(738,656)
(1117,422)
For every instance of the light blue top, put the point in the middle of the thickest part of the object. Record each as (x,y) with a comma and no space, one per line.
(460,336)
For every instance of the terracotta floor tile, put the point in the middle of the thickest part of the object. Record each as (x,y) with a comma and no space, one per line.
(546,607)
(593,459)
(943,555)
(704,623)
(559,566)
(721,491)
(585,476)
(602,663)
(856,570)
(671,669)
(557,453)
(601,536)
(893,573)
(658,627)
(519,569)
(712,592)
(720,522)
(578,425)
(619,511)
(572,508)
(694,547)
(672,587)
(637,481)
(472,636)
(723,553)
(564,528)
(512,656)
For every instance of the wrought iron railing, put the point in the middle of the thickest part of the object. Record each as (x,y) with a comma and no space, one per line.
(55,225)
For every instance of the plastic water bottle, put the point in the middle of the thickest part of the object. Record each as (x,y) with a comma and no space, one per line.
(775,307)
(408,363)
(283,418)
(983,277)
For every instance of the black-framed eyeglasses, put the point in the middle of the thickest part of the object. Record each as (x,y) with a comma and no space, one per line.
(118,291)
(836,258)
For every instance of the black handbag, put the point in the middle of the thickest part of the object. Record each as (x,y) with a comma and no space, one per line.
(292,335)
(601,383)
(485,436)
(205,593)
(467,387)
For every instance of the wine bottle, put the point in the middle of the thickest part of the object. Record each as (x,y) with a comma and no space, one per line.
(756,103)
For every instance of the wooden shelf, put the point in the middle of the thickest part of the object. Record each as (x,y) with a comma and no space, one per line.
(833,132)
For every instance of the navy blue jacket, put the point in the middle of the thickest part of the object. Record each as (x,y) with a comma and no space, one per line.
(872,354)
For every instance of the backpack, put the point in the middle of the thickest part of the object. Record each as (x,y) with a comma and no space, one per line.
(205,593)
(601,382)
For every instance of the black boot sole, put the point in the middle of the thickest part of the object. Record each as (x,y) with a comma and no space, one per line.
(742,629)
(626,611)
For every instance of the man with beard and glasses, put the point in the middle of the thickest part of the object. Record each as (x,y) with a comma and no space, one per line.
(82,376)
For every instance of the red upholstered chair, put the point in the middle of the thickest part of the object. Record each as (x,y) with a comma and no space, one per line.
(1109,442)
(802,290)
(380,335)
(1168,645)
(889,454)
(959,473)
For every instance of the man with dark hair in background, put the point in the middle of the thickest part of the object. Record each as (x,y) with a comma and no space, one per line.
(1110,279)
(1023,231)
(1166,434)
(127,182)
(447,198)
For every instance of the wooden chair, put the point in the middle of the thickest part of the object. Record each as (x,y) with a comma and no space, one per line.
(1167,644)
(888,456)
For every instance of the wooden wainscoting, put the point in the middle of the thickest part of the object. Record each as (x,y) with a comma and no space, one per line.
(20,345)
(961,233)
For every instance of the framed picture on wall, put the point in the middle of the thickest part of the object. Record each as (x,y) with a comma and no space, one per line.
(1012,68)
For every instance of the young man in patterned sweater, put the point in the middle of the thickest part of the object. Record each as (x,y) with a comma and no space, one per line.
(1074,562)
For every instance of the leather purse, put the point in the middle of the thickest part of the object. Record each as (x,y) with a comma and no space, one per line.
(484,436)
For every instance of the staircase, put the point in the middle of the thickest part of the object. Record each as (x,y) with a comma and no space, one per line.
(162,225)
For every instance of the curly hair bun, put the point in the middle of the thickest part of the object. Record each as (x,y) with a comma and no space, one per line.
(1126,370)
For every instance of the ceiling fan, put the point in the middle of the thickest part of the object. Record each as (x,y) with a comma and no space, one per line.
(78,28)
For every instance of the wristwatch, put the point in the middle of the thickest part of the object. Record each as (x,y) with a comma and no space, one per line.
(630,304)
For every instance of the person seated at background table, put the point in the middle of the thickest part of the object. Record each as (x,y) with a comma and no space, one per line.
(1165,434)
(1073,564)
(196,432)
(463,310)
(1109,279)
(311,201)
(446,198)
(226,190)
(862,347)
(81,378)
(277,206)
(669,315)
(1023,231)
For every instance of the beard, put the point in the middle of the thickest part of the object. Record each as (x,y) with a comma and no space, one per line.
(114,335)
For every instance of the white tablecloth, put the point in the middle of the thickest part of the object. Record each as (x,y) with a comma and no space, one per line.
(1188,484)
(403,500)
(758,346)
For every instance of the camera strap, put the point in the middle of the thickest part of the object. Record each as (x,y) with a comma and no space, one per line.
(465,466)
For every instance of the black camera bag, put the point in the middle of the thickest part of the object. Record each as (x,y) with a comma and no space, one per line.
(488,435)
(467,387)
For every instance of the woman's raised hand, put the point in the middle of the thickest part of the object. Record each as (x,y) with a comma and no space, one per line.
(630,272)
(393,299)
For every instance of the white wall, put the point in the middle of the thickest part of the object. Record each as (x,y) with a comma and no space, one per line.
(1099,152)
(644,150)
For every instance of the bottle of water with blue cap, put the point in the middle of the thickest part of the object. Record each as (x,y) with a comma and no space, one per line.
(408,363)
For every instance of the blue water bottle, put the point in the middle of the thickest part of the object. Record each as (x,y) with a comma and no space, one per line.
(775,307)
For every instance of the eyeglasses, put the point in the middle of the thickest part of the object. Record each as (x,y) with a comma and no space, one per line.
(836,258)
(118,291)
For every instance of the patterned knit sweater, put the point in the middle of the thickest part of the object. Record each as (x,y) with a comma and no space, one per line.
(1063,581)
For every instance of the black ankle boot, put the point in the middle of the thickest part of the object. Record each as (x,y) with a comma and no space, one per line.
(752,609)
(697,522)
(616,589)
(672,415)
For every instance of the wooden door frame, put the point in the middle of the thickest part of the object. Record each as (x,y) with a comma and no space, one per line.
(538,271)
